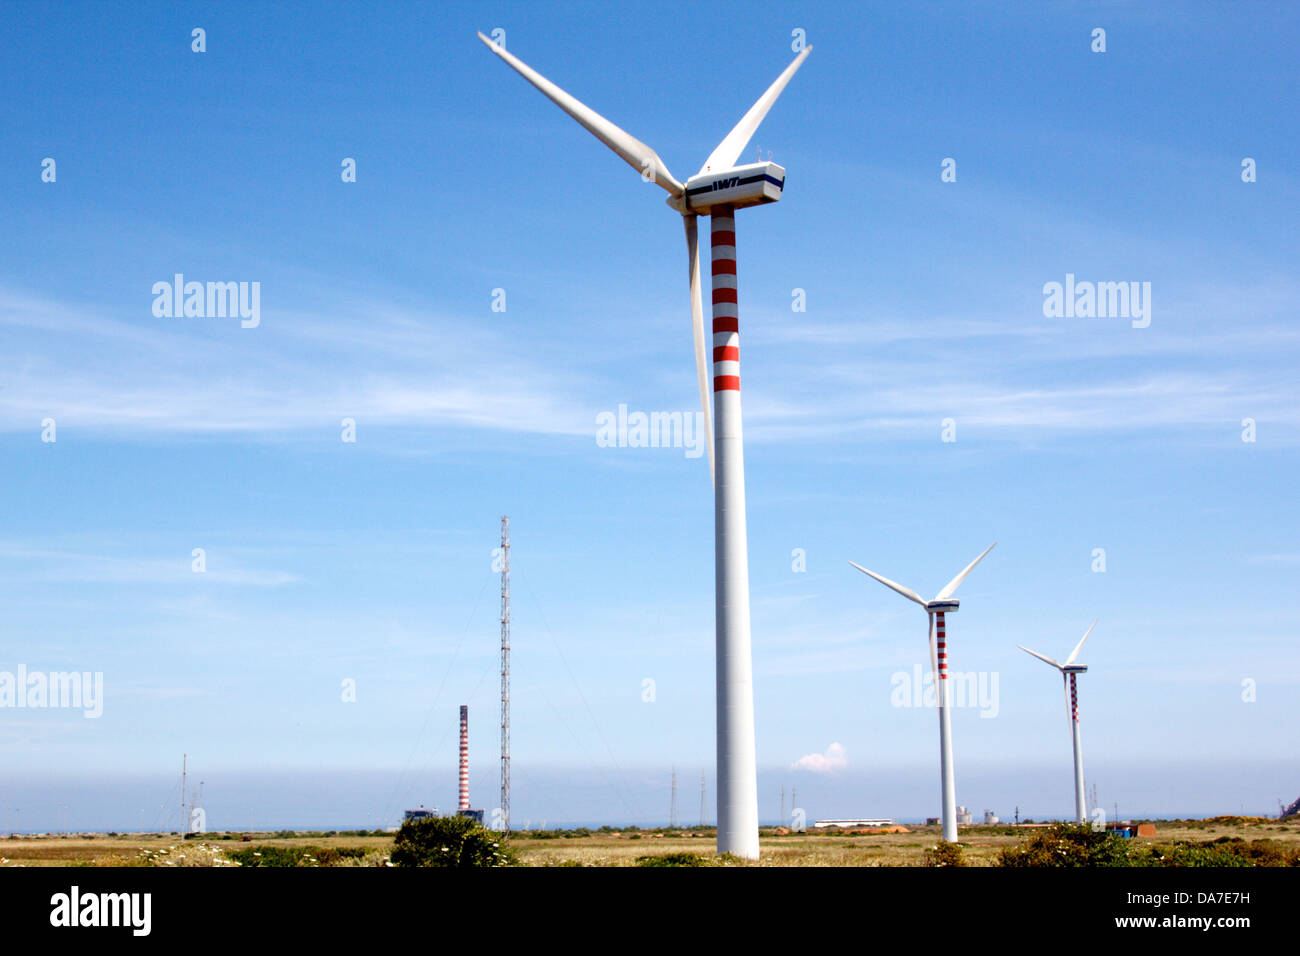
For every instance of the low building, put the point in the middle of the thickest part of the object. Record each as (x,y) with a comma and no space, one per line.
(420,813)
(856,822)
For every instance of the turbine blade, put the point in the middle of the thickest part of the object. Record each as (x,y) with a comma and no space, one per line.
(729,150)
(952,585)
(1041,657)
(634,152)
(1078,647)
(697,324)
(1069,716)
(906,592)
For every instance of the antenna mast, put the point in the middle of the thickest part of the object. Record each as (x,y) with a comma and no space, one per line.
(185,765)
(505,673)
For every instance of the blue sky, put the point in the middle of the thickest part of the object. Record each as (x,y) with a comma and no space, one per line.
(371,561)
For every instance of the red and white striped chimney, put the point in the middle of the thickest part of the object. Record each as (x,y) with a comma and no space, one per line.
(464,758)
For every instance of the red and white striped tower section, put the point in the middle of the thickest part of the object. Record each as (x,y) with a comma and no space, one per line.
(947,786)
(463,804)
(737,770)
(1080,801)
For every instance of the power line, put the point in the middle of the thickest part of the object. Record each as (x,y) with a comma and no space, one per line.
(672,811)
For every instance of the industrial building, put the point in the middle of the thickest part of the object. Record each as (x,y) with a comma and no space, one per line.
(420,813)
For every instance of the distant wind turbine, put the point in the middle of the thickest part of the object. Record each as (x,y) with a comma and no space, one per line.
(943,603)
(1068,671)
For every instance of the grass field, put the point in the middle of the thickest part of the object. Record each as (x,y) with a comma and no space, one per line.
(981,845)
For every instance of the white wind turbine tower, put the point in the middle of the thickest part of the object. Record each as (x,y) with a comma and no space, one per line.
(717,190)
(943,604)
(1068,671)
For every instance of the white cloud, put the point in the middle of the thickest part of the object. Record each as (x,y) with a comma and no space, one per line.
(832,760)
(366,361)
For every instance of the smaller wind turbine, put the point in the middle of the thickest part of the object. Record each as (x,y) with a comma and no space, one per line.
(1068,671)
(942,604)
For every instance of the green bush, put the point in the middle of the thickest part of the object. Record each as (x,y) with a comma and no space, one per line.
(449,841)
(1225,851)
(945,854)
(1069,844)
(1189,854)
(270,855)
(671,859)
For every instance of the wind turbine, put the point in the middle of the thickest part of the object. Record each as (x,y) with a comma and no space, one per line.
(717,191)
(944,603)
(1068,672)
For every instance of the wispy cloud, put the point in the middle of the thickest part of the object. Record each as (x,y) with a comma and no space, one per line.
(384,365)
(43,564)
(378,365)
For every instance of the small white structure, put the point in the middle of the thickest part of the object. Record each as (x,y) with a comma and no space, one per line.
(990,816)
(863,822)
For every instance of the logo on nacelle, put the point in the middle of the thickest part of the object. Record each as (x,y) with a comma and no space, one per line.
(726,183)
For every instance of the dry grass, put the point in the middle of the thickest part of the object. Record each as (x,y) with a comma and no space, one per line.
(152,849)
(794,849)
(980,846)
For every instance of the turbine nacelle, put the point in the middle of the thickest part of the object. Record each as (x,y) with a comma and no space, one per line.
(1075,669)
(947,606)
(738,186)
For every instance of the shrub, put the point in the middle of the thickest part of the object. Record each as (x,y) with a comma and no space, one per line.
(1068,844)
(671,859)
(279,856)
(1225,851)
(945,854)
(449,841)
(1078,845)
(1190,854)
